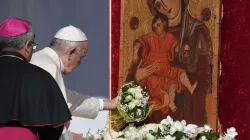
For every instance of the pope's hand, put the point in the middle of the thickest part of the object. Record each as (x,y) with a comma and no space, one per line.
(110,104)
(142,73)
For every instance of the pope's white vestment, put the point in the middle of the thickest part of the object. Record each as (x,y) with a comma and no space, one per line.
(80,105)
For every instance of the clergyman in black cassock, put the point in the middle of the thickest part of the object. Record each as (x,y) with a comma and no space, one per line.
(29,98)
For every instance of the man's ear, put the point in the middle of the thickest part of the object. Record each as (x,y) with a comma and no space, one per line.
(27,47)
(70,52)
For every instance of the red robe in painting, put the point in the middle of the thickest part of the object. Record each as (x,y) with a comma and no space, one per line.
(160,50)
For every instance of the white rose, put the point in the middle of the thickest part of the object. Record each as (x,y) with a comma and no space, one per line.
(132,128)
(167,121)
(138,95)
(201,129)
(178,125)
(138,112)
(168,137)
(232,129)
(162,127)
(183,122)
(136,136)
(143,130)
(98,136)
(172,130)
(137,102)
(128,98)
(138,89)
(203,138)
(231,132)
(151,127)
(190,128)
(131,105)
(226,138)
(132,91)
(207,128)
(107,136)
(114,134)
(149,137)
(127,134)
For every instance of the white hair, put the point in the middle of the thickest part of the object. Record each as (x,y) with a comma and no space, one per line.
(61,45)
(16,42)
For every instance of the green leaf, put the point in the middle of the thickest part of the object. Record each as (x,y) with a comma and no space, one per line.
(152,132)
(125,94)
(125,88)
(122,136)
(208,135)
(178,135)
(158,131)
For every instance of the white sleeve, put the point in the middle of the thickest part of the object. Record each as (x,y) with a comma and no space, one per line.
(66,135)
(101,104)
(88,109)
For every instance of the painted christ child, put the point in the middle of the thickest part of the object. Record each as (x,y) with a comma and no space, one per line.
(166,80)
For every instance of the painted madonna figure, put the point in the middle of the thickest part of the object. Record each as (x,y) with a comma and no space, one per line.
(193,54)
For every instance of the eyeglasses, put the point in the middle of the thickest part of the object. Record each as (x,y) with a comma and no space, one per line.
(33,44)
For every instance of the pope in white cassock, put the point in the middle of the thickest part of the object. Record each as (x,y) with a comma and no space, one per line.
(66,50)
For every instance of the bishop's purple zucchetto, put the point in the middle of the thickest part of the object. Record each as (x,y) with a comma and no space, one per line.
(12,27)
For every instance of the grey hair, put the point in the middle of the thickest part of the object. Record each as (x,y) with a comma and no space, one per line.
(16,42)
(61,45)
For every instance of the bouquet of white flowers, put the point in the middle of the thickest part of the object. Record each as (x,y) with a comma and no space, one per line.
(132,102)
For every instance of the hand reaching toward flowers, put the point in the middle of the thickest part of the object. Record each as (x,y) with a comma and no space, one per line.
(110,104)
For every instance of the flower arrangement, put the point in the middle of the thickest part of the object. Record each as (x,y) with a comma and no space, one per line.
(132,102)
(132,105)
(167,129)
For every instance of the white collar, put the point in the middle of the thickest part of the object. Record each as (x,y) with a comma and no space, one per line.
(54,56)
